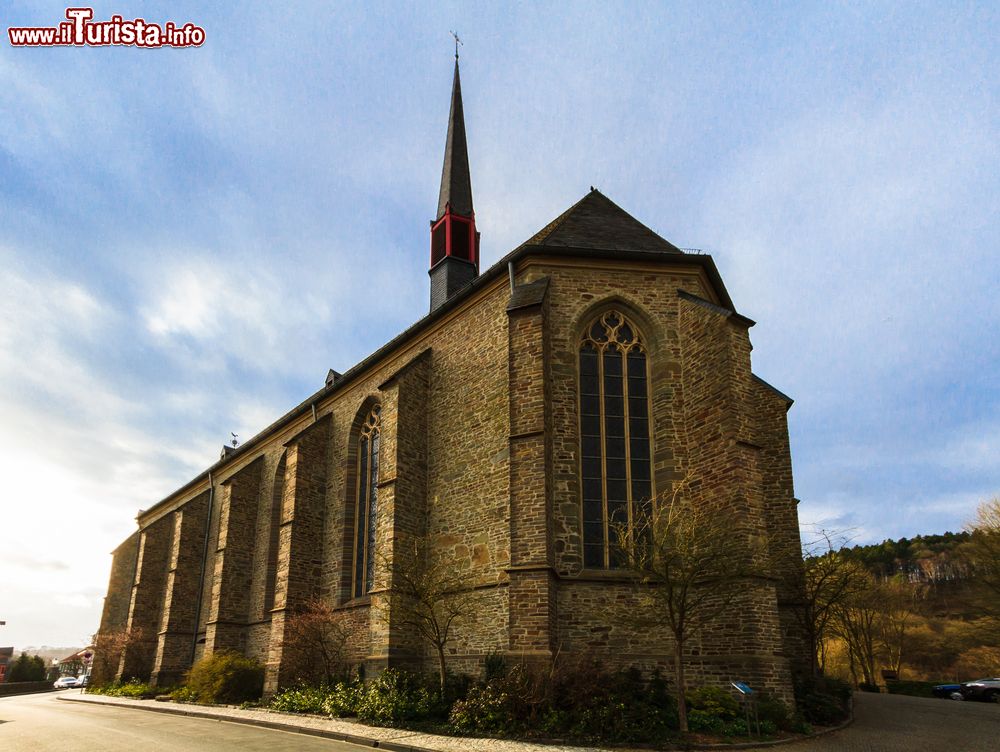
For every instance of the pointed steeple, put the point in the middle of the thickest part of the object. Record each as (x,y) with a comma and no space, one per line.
(454,239)
(456,183)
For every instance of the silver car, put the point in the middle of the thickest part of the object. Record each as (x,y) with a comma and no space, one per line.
(987,690)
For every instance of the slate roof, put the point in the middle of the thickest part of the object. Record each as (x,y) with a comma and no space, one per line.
(456,183)
(595,221)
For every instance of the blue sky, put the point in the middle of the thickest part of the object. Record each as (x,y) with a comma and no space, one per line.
(189,238)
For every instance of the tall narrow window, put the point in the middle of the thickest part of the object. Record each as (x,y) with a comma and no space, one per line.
(366,509)
(614,434)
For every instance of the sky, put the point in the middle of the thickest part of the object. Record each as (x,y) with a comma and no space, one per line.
(190,238)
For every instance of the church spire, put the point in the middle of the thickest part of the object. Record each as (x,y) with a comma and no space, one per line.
(456,183)
(454,239)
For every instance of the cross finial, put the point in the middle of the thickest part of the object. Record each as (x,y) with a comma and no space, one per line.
(457,42)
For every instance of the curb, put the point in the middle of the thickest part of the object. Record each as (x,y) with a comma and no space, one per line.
(365,741)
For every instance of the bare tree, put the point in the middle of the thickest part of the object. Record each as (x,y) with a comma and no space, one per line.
(898,600)
(688,563)
(857,621)
(109,647)
(431,592)
(314,644)
(984,551)
(831,579)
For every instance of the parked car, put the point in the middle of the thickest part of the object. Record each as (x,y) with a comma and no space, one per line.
(948,690)
(65,682)
(987,690)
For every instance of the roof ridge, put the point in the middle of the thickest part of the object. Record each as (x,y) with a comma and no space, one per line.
(539,237)
(595,221)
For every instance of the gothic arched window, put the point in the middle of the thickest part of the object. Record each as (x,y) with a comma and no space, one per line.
(614,434)
(366,504)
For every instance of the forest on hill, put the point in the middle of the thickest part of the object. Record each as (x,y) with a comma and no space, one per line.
(923,609)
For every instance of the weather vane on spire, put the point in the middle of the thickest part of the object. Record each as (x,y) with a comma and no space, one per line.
(457,42)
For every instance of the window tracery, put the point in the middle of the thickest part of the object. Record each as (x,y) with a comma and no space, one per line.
(614,434)
(366,504)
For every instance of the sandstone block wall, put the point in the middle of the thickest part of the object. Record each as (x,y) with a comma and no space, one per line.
(114,616)
(479,458)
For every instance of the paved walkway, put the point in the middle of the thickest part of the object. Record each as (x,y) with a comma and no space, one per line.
(883,723)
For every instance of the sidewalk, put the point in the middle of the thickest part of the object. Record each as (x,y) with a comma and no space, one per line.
(397,740)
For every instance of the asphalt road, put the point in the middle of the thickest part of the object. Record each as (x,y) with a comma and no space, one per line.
(896,723)
(41,723)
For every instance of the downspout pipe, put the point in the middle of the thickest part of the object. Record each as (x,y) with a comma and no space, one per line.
(510,273)
(204,567)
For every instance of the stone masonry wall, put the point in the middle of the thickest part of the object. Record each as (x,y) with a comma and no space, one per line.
(300,546)
(532,589)
(148,591)
(704,430)
(230,611)
(114,616)
(479,456)
(782,522)
(175,641)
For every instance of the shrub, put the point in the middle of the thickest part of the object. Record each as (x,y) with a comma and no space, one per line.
(300,700)
(821,700)
(27,668)
(578,700)
(494,667)
(225,677)
(488,709)
(773,711)
(396,697)
(183,694)
(713,701)
(344,699)
(912,688)
(132,688)
(868,687)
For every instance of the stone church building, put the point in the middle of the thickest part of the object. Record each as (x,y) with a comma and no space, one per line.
(536,405)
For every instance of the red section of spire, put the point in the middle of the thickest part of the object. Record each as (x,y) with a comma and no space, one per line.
(455,236)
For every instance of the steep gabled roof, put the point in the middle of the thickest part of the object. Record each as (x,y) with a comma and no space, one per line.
(595,221)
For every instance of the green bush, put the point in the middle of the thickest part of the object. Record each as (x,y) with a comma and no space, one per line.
(397,697)
(713,701)
(27,668)
(582,702)
(225,677)
(912,688)
(617,707)
(343,699)
(773,711)
(821,700)
(183,694)
(487,709)
(338,701)
(299,700)
(132,688)
(494,667)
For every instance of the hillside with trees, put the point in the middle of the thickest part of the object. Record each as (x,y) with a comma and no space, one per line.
(924,608)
